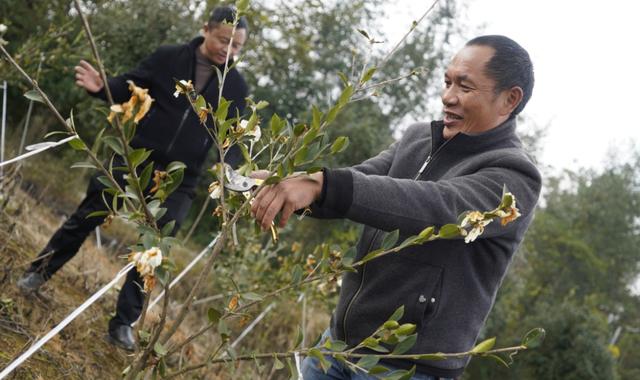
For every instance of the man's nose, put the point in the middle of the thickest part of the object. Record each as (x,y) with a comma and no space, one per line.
(449,96)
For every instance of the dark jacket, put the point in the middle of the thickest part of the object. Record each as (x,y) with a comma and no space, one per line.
(446,286)
(171,128)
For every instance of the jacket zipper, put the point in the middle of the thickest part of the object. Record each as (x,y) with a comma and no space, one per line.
(175,136)
(424,166)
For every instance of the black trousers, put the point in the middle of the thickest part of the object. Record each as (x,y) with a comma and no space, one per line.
(66,242)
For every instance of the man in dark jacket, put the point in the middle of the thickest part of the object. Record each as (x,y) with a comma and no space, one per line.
(170,129)
(429,177)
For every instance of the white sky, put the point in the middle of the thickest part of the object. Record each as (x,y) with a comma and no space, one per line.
(586,57)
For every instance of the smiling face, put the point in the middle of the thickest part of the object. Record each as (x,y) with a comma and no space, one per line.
(471,104)
(216,42)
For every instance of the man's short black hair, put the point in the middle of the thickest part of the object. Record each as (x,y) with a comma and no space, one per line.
(510,66)
(227,14)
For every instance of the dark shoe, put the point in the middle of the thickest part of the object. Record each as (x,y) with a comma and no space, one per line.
(30,282)
(122,336)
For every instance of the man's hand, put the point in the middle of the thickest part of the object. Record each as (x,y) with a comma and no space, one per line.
(286,197)
(88,78)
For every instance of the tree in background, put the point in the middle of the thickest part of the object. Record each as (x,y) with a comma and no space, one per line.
(573,276)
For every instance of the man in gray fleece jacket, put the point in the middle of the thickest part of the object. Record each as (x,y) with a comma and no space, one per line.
(429,177)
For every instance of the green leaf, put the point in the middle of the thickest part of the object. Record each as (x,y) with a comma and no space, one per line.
(324,363)
(498,359)
(77,144)
(534,337)
(343,78)
(340,144)
(299,338)
(405,345)
(299,129)
(368,362)
(301,156)
(296,275)
(138,156)
(371,255)
(293,372)
(213,315)
(106,182)
(273,180)
(250,296)
(364,33)
(314,169)
(484,346)
(316,118)
(449,231)
(262,105)
(368,75)
(397,314)
(223,110)
(160,349)
(346,95)
(34,95)
(276,124)
(114,143)
(331,115)
(175,165)
(55,133)
(145,176)
(426,233)
(168,228)
(98,213)
(310,136)
(378,369)
(335,345)
(83,164)
(277,364)
(400,374)
(242,5)
(405,329)
(390,240)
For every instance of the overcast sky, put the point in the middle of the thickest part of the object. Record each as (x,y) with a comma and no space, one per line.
(586,60)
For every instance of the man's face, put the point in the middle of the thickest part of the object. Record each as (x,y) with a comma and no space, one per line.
(216,42)
(470,102)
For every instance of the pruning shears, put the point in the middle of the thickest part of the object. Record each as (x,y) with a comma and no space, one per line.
(241,184)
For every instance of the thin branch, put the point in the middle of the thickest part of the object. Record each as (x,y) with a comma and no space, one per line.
(149,217)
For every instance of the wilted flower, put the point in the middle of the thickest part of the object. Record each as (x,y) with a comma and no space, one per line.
(508,214)
(139,96)
(215,190)
(476,220)
(472,217)
(146,262)
(158,176)
(476,231)
(183,87)
(233,303)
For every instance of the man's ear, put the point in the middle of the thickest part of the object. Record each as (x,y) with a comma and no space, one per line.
(512,99)
(206,28)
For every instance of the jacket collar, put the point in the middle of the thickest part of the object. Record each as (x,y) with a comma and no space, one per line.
(502,136)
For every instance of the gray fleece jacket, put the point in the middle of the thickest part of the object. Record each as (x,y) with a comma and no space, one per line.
(447,287)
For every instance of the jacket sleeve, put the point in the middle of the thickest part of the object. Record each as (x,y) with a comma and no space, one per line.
(390,203)
(142,76)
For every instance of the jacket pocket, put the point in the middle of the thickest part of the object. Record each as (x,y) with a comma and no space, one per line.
(427,302)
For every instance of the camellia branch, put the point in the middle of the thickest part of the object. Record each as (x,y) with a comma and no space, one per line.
(66,125)
(125,144)
(305,352)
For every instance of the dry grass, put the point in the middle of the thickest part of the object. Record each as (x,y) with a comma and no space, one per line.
(80,351)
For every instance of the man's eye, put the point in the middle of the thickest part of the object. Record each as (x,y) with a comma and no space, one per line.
(465,88)
(447,83)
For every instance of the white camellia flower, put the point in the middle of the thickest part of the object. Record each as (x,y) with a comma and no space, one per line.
(3,28)
(215,190)
(255,134)
(146,262)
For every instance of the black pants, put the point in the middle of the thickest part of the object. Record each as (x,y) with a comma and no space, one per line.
(66,242)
